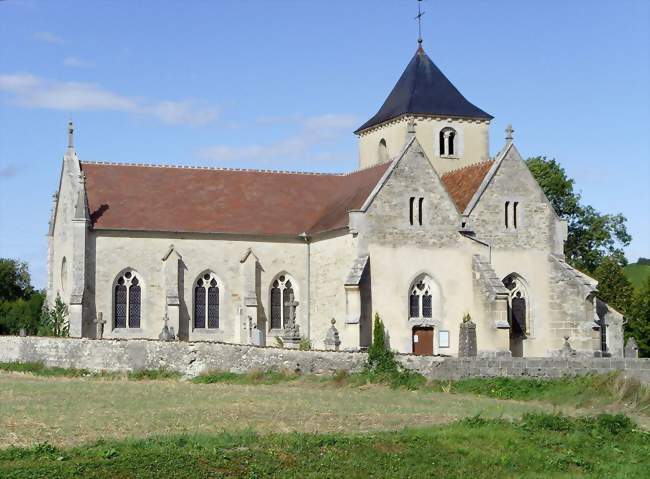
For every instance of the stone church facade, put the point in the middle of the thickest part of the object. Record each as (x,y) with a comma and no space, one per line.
(428,230)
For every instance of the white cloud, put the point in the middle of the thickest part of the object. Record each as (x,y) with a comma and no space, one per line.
(75,62)
(8,171)
(33,92)
(312,131)
(48,37)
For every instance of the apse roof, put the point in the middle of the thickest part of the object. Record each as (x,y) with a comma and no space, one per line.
(424,90)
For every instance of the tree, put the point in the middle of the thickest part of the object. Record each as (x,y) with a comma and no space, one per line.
(54,321)
(21,314)
(15,281)
(613,286)
(638,325)
(592,235)
(20,304)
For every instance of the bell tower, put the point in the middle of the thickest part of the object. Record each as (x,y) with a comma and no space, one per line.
(452,131)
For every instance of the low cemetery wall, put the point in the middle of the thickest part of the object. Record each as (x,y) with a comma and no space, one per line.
(193,358)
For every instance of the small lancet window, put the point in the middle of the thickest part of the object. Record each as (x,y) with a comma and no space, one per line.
(127,296)
(282,292)
(206,302)
(511,214)
(420,205)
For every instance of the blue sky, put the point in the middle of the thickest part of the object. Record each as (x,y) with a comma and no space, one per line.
(282,84)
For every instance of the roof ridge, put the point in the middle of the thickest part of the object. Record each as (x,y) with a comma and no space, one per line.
(213,168)
(466,167)
(376,165)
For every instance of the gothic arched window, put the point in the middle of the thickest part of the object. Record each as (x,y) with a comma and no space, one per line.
(518,303)
(282,292)
(127,299)
(206,302)
(447,142)
(421,298)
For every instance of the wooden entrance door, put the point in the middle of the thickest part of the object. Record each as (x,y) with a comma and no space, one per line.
(423,341)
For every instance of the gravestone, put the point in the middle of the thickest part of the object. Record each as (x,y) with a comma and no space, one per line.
(167,333)
(99,325)
(631,349)
(291,337)
(567,350)
(467,339)
(332,338)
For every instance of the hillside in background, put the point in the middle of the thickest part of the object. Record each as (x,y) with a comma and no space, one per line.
(638,272)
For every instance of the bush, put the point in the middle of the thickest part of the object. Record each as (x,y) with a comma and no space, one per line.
(305,344)
(382,367)
(54,321)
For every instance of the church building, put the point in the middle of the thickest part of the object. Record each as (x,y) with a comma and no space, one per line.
(428,231)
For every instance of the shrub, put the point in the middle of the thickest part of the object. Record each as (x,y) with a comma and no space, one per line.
(382,367)
(305,344)
(54,321)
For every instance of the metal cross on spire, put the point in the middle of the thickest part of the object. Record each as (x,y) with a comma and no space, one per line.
(419,19)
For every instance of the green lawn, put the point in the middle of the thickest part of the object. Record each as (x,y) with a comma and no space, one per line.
(73,423)
(637,273)
(537,446)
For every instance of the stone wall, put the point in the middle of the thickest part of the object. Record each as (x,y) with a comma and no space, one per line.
(198,357)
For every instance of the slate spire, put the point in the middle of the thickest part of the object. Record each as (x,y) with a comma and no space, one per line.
(424,90)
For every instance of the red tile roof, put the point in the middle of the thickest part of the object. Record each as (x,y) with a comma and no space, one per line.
(462,183)
(202,200)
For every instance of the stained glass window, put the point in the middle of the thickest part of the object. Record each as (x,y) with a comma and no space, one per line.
(120,305)
(206,302)
(276,306)
(127,301)
(282,291)
(213,305)
(199,305)
(421,300)
(134,304)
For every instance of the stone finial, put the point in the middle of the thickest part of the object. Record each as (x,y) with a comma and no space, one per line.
(567,350)
(509,134)
(332,338)
(70,135)
(631,349)
(81,211)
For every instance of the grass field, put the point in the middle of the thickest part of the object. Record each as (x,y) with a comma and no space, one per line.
(71,423)
(637,273)
(537,446)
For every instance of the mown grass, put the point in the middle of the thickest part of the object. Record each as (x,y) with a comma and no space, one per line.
(253,377)
(39,369)
(583,391)
(538,445)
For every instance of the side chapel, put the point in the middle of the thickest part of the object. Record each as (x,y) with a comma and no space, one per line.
(428,229)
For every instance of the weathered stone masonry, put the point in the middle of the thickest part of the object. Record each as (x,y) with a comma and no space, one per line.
(192,358)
